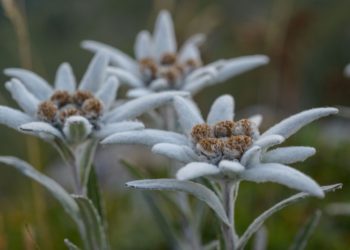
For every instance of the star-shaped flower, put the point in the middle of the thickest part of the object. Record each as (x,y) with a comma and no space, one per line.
(160,65)
(73,114)
(226,149)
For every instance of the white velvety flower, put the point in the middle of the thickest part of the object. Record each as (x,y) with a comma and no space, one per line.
(160,65)
(72,113)
(220,147)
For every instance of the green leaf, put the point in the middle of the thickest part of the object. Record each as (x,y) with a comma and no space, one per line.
(259,221)
(94,228)
(306,231)
(199,191)
(70,245)
(85,158)
(68,203)
(94,192)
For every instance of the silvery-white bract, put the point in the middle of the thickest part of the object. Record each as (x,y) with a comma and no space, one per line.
(222,148)
(69,113)
(160,65)
(347,70)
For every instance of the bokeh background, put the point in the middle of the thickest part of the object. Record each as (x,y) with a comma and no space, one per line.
(308,43)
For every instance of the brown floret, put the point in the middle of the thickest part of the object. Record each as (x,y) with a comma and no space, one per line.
(168,59)
(80,96)
(92,107)
(211,145)
(68,112)
(61,98)
(148,64)
(201,131)
(223,128)
(237,145)
(47,111)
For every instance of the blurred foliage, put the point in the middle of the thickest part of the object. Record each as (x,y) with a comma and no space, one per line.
(308,43)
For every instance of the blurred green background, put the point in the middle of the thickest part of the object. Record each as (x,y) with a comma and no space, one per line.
(308,43)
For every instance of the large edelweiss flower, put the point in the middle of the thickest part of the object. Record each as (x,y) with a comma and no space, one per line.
(160,66)
(226,149)
(69,113)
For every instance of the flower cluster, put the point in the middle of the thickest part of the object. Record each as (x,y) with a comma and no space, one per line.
(222,148)
(75,117)
(160,66)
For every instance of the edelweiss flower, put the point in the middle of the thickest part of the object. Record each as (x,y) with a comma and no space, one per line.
(69,113)
(160,66)
(226,149)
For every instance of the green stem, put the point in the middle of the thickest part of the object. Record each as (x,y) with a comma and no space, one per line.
(229,195)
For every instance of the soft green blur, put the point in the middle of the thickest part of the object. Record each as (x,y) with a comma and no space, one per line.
(308,43)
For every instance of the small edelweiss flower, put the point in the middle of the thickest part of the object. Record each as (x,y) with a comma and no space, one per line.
(70,113)
(160,65)
(222,148)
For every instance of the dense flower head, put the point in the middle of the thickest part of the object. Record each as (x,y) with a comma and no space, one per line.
(159,64)
(222,148)
(224,139)
(61,105)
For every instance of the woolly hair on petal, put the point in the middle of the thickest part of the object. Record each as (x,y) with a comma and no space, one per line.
(221,110)
(65,78)
(288,155)
(292,124)
(77,129)
(287,176)
(197,169)
(33,82)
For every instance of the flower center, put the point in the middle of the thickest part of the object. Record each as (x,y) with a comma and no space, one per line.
(169,68)
(62,105)
(224,140)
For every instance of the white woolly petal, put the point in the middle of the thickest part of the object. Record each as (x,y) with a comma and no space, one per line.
(137,107)
(198,84)
(221,110)
(144,45)
(197,169)
(34,83)
(108,92)
(181,153)
(77,129)
(273,172)
(138,92)
(13,118)
(347,70)
(188,115)
(231,167)
(116,56)
(65,79)
(240,65)
(269,141)
(164,35)
(147,137)
(251,156)
(159,84)
(292,124)
(125,77)
(118,127)
(41,129)
(189,51)
(257,119)
(199,73)
(288,155)
(26,100)
(95,73)
(196,39)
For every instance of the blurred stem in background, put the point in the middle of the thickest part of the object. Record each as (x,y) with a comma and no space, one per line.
(17,17)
